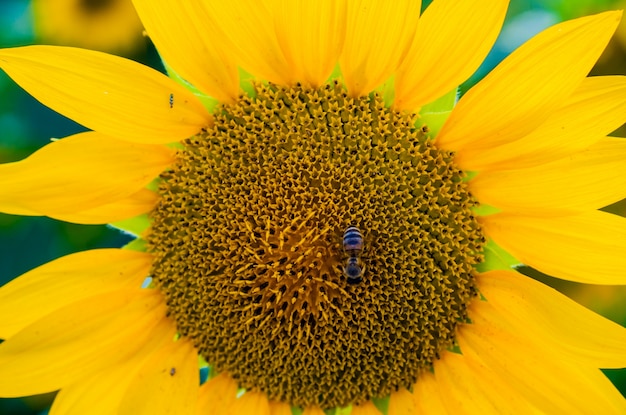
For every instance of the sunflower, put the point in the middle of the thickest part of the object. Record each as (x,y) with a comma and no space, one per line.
(280,127)
(107,25)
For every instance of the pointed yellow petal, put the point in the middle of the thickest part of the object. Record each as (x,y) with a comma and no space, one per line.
(282,408)
(531,83)
(588,247)
(312,410)
(426,393)
(536,370)
(217,395)
(594,110)
(311,35)
(540,312)
(401,402)
(468,386)
(67,280)
(368,408)
(461,395)
(79,173)
(589,179)
(86,395)
(134,205)
(115,96)
(74,341)
(452,40)
(167,383)
(190,42)
(250,37)
(251,403)
(377,38)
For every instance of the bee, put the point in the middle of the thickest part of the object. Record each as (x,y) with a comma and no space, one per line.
(353,245)
(171,100)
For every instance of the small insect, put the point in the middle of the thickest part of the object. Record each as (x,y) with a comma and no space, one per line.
(353,245)
(171,100)
(172,371)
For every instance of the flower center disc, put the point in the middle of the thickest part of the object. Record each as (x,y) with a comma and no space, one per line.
(248,245)
(94,6)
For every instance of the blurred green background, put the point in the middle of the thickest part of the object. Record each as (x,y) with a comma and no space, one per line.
(110,25)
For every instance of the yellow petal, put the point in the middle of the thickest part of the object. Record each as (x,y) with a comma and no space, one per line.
(588,247)
(79,173)
(112,95)
(452,40)
(217,395)
(311,35)
(250,37)
(313,410)
(540,312)
(251,403)
(74,341)
(377,38)
(101,393)
(282,408)
(134,205)
(368,408)
(536,370)
(190,42)
(67,280)
(426,393)
(589,179)
(531,83)
(167,383)
(594,110)
(468,387)
(401,402)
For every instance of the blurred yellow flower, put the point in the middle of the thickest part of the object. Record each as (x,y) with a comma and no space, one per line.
(106,25)
(244,244)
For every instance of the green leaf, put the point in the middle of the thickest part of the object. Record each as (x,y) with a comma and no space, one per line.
(382,404)
(135,226)
(296,411)
(436,113)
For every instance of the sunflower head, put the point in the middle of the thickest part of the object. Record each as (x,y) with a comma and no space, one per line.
(248,245)
(315,235)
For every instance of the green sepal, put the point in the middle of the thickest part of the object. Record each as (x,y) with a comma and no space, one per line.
(336,74)
(296,411)
(497,258)
(135,226)
(209,103)
(246,83)
(136,245)
(382,404)
(435,114)
(482,210)
(343,411)
(388,91)
(454,348)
